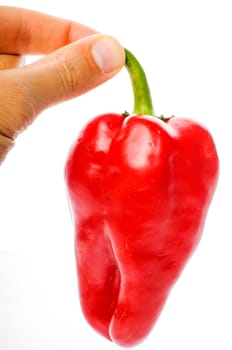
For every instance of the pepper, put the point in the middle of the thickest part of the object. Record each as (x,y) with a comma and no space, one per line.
(139,188)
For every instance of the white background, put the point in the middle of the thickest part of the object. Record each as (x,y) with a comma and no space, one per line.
(185,48)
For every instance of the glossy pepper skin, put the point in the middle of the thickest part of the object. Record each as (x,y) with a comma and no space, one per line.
(139,189)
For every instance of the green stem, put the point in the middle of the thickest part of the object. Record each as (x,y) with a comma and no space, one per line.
(141,91)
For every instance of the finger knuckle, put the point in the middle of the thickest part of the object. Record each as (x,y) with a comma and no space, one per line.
(6,143)
(17,111)
(67,74)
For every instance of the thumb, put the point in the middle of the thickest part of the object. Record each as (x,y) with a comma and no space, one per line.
(73,70)
(66,73)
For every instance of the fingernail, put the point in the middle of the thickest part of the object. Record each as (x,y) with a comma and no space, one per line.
(108,54)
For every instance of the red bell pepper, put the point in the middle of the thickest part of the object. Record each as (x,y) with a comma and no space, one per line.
(140,188)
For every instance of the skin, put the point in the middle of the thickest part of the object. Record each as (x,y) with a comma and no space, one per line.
(71,65)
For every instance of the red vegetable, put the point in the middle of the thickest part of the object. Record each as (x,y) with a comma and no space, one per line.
(140,187)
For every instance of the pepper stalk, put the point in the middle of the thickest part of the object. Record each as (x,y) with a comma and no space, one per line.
(141,91)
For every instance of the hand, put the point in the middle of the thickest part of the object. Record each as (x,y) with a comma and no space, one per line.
(77,59)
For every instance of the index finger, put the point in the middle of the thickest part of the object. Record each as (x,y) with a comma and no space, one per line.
(30,32)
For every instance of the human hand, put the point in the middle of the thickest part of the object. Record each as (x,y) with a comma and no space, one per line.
(77,59)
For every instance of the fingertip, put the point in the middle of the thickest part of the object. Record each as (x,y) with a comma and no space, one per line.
(108,54)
